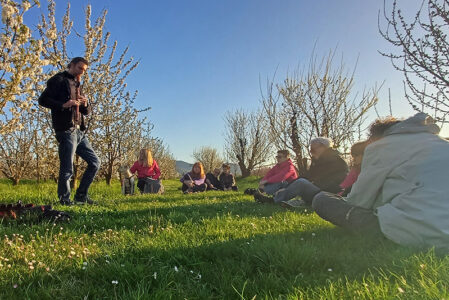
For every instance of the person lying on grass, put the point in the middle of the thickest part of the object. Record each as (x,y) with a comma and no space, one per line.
(402,190)
(326,172)
(148,173)
(227,180)
(307,190)
(194,181)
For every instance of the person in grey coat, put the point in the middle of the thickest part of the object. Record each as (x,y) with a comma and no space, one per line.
(402,190)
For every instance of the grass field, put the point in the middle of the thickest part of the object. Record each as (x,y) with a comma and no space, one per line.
(214,245)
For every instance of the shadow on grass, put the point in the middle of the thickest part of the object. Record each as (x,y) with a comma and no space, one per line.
(196,213)
(266,266)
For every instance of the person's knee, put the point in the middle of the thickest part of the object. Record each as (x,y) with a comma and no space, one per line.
(319,201)
(95,163)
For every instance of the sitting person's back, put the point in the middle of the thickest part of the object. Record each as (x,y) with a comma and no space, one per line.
(402,189)
(148,173)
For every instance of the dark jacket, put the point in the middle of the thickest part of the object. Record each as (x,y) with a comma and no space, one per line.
(227,180)
(211,179)
(54,96)
(328,171)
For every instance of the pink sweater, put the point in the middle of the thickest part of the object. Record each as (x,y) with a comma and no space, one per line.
(153,172)
(284,171)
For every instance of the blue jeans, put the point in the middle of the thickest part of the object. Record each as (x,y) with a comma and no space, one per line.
(272,188)
(71,142)
(300,187)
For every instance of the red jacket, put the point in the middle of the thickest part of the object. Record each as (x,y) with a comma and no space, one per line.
(284,171)
(153,172)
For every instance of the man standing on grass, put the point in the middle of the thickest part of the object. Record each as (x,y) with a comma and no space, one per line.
(68,108)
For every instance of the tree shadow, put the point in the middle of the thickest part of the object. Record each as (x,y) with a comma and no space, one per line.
(265,265)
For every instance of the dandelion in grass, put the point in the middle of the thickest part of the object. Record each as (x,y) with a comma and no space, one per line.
(329,270)
(176,269)
(115,282)
(15,285)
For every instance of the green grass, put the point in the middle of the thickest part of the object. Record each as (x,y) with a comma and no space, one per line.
(214,245)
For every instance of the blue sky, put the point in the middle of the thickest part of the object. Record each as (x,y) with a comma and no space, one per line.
(202,58)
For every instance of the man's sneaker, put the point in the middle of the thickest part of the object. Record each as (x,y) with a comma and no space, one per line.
(293,203)
(66,202)
(261,198)
(84,200)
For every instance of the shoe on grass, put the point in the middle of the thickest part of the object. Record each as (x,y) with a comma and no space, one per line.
(66,202)
(261,198)
(81,200)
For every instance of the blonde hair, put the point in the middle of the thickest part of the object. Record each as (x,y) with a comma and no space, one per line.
(145,158)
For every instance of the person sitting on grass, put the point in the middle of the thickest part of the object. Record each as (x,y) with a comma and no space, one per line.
(194,181)
(281,175)
(357,151)
(402,190)
(227,180)
(307,190)
(327,170)
(148,173)
(212,181)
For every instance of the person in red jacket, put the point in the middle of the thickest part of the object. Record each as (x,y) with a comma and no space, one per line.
(278,177)
(148,173)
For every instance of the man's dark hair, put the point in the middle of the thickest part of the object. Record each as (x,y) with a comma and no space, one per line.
(226,166)
(284,153)
(378,127)
(76,60)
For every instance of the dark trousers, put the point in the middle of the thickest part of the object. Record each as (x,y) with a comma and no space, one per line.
(71,142)
(335,209)
(195,188)
(149,185)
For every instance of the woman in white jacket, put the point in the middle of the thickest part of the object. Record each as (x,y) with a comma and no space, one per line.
(403,187)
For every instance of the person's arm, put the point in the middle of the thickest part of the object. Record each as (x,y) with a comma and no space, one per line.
(157,170)
(133,169)
(48,97)
(282,174)
(369,184)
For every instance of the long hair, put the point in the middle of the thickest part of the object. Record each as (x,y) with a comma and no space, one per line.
(201,174)
(145,158)
(358,149)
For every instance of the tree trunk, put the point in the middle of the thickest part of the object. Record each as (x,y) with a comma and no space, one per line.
(15,181)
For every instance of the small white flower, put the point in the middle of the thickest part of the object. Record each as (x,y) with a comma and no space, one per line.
(85,263)
(107,261)
(329,270)
(191,271)
(155,275)
(15,285)
(313,234)
(400,290)
(176,269)
(114,281)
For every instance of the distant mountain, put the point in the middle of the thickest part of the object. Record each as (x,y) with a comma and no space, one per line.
(183,167)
